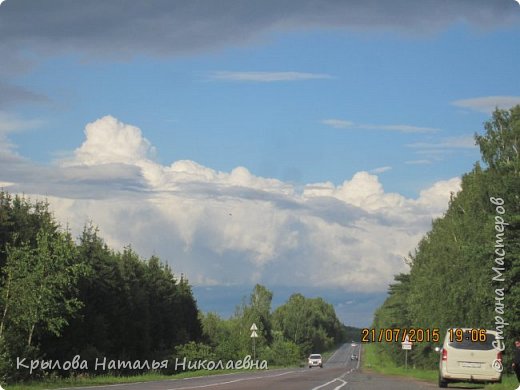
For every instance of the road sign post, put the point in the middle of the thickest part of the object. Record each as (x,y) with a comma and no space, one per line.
(254,335)
(407,346)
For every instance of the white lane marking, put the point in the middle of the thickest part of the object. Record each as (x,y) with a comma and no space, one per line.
(332,381)
(325,384)
(340,386)
(339,378)
(233,381)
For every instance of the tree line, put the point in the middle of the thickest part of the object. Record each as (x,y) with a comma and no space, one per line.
(62,297)
(285,335)
(465,271)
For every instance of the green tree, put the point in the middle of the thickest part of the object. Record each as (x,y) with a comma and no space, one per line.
(500,145)
(309,323)
(259,311)
(21,220)
(213,328)
(93,332)
(39,287)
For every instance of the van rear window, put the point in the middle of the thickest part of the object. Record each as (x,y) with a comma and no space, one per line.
(478,346)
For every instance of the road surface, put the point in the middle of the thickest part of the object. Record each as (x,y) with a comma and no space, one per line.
(338,373)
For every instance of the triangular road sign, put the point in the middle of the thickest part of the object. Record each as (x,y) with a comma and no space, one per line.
(254,334)
(253,327)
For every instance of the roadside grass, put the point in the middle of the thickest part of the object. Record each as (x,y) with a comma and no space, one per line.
(509,382)
(381,363)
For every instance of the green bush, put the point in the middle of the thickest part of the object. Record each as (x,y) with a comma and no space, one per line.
(281,353)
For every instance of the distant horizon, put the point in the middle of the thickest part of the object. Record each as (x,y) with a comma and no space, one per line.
(352,309)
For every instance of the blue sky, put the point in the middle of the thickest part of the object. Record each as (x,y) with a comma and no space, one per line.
(331,125)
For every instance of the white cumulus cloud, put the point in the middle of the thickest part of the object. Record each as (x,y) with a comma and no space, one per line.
(108,140)
(230,228)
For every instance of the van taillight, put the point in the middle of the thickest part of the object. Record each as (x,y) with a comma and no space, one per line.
(499,357)
(444,355)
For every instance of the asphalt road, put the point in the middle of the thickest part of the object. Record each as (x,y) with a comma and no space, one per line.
(339,372)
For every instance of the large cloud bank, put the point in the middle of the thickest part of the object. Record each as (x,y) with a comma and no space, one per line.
(231,228)
(164,27)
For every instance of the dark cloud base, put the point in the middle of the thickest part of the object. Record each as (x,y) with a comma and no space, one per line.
(122,29)
(164,27)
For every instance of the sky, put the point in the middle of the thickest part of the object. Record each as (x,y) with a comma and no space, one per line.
(303,145)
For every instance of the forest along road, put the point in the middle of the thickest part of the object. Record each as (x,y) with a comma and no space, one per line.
(338,373)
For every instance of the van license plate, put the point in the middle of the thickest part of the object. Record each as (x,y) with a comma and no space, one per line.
(470,365)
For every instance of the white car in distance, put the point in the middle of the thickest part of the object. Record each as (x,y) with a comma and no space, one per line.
(315,360)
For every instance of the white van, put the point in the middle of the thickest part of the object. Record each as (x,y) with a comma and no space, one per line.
(466,359)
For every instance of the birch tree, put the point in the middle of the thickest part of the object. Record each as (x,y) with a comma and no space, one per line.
(39,285)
